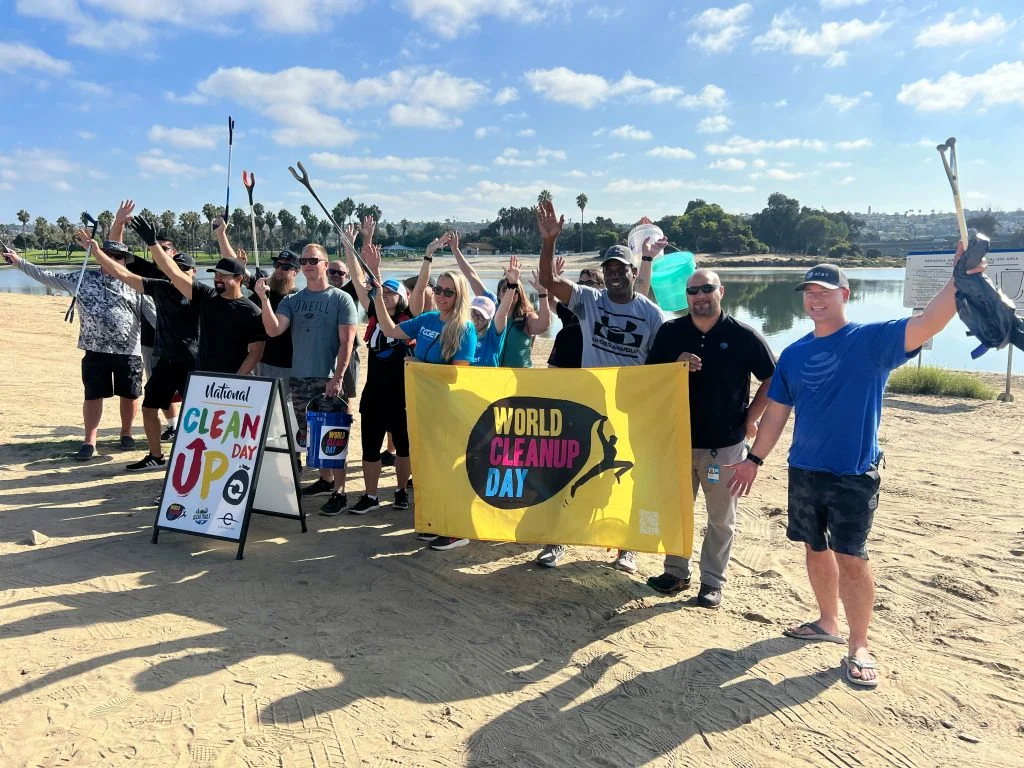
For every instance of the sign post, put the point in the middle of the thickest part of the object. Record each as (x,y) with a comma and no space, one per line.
(233,456)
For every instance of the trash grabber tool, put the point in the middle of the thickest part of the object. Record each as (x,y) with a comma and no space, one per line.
(231,141)
(304,181)
(953,174)
(249,182)
(69,316)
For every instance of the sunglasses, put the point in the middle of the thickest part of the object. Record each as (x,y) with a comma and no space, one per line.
(286,268)
(448,293)
(588,283)
(309,260)
(337,273)
(708,288)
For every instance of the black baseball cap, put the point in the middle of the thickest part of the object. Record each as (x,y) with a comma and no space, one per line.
(618,253)
(184,260)
(163,237)
(287,258)
(825,275)
(115,249)
(228,266)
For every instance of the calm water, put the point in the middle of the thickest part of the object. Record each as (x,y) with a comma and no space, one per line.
(765,299)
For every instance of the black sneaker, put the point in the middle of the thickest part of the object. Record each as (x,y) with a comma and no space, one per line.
(448,542)
(150,462)
(668,584)
(320,486)
(365,504)
(127,442)
(168,434)
(387,458)
(334,505)
(709,597)
(84,453)
(401,499)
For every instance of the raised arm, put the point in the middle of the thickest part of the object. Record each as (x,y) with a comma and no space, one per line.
(512,275)
(220,229)
(161,258)
(423,280)
(46,277)
(384,322)
(113,267)
(649,251)
(122,217)
(539,321)
(940,310)
(550,226)
(479,289)
(273,323)
(371,255)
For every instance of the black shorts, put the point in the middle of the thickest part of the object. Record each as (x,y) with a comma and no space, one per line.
(106,375)
(376,423)
(828,511)
(167,379)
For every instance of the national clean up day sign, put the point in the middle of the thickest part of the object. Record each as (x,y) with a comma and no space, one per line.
(212,469)
(594,456)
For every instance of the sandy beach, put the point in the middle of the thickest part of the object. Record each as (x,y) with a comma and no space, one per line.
(354,645)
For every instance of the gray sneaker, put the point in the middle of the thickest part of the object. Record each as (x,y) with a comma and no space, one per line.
(626,561)
(551,555)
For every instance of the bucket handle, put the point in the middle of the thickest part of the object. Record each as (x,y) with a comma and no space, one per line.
(323,396)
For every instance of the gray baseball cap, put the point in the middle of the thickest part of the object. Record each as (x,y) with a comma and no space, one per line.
(618,253)
(826,275)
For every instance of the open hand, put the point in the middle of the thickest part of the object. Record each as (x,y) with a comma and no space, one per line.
(351,233)
(654,249)
(367,228)
(548,222)
(453,240)
(743,475)
(512,271)
(144,229)
(535,282)
(242,256)
(559,266)
(125,211)
(371,255)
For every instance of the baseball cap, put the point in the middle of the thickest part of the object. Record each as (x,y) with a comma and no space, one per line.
(184,260)
(396,287)
(618,253)
(228,266)
(826,275)
(116,249)
(287,258)
(484,306)
(164,237)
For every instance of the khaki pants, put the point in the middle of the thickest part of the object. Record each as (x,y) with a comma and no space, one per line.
(714,554)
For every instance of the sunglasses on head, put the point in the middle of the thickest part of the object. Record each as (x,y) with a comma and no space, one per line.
(337,272)
(448,293)
(708,288)
(310,260)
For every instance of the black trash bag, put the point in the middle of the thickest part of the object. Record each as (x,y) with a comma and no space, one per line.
(986,311)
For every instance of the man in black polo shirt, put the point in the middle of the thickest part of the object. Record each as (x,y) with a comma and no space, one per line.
(723,353)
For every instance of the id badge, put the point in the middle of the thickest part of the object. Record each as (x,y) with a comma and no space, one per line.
(713,473)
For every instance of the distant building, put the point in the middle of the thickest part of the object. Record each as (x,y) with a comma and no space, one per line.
(480,249)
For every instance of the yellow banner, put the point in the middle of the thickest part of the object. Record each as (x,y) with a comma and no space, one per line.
(595,457)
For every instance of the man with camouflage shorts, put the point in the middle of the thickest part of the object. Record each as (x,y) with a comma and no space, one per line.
(323,321)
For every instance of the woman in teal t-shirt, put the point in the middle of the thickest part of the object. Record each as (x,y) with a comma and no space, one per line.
(491,325)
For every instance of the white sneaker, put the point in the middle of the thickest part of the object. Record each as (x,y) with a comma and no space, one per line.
(626,561)
(551,555)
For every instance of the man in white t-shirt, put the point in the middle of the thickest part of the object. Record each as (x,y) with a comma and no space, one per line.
(618,325)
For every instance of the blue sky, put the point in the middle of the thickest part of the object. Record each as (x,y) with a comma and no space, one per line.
(455,108)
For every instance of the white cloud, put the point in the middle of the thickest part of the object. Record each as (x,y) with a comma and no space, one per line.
(387,163)
(483,131)
(506,96)
(576,174)
(155,162)
(970,32)
(631,133)
(847,180)
(16,56)
(476,168)
(837,164)
(451,18)
(61,186)
(847,146)
(564,86)
(616,155)
(36,164)
(778,174)
(845,103)
(829,5)
(780,103)
(728,164)
(512,158)
(826,42)
(671,153)
(739,145)
(671,185)
(190,98)
(714,124)
(759,163)
(511,194)
(551,154)
(720,28)
(203,137)
(296,99)
(85,135)
(1000,84)
(93,89)
(604,14)
(526,133)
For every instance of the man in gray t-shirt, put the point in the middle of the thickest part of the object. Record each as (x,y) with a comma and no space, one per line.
(618,324)
(323,321)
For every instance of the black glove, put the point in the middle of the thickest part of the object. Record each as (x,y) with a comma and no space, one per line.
(144,230)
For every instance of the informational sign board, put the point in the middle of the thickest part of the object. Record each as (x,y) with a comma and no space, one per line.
(233,455)
(928,273)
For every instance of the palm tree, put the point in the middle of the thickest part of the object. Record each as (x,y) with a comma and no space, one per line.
(24,217)
(167,219)
(404,224)
(308,219)
(543,197)
(66,228)
(105,219)
(270,221)
(348,207)
(581,203)
(42,227)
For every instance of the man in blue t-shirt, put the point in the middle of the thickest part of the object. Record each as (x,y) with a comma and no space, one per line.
(834,378)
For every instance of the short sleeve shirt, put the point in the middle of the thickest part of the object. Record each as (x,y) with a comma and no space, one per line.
(315,317)
(226,329)
(177,322)
(426,330)
(614,334)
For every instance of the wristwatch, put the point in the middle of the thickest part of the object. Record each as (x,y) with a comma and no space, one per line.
(647,258)
(756,459)
(428,258)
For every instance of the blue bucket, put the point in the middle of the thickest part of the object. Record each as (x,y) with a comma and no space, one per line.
(327,438)
(668,278)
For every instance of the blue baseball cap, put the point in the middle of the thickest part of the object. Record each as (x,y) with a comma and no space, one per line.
(396,286)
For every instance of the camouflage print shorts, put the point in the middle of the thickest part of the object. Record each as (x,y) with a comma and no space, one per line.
(828,511)
(302,391)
